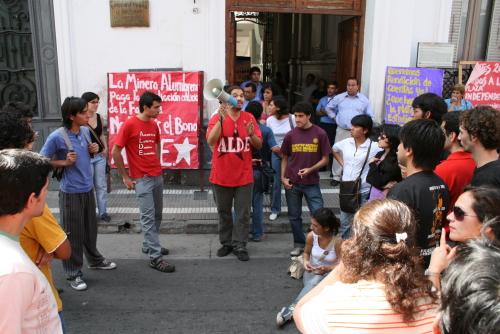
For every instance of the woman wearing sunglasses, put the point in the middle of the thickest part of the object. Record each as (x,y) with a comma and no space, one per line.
(475,208)
(384,169)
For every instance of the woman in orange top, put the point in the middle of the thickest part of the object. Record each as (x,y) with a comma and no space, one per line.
(379,286)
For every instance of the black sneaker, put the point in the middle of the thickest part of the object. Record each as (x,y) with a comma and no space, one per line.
(105,217)
(104,265)
(162,265)
(164,251)
(224,251)
(241,254)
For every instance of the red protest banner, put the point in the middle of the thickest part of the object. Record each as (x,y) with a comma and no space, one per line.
(483,86)
(178,121)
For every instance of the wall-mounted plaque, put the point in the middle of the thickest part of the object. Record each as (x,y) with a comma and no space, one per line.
(129,13)
(438,55)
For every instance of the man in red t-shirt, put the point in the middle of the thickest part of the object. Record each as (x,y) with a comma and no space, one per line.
(140,137)
(232,134)
(457,170)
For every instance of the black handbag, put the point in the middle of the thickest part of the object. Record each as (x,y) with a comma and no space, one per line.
(349,192)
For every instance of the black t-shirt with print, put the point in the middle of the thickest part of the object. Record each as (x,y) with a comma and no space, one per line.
(488,174)
(428,196)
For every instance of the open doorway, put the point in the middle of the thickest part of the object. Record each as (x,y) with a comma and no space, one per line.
(289,45)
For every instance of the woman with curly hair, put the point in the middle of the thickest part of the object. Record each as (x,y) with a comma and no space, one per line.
(379,286)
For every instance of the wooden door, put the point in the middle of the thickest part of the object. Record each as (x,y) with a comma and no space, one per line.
(347,52)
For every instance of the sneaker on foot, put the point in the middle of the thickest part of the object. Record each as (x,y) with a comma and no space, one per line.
(104,265)
(241,254)
(284,316)
(162,265)
(273,216)
(105,217)
(78,284)
(296,251)
(224,251)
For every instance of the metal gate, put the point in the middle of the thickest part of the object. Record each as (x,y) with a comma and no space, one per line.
(28,61)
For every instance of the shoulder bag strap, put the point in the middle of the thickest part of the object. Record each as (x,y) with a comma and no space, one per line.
(366,159)
(95,136)
(291,122)
(64,134)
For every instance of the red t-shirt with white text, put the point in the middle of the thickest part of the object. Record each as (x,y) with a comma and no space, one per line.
(232,154)
(139,138)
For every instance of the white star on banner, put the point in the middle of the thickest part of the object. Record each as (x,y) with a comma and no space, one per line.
(184,150)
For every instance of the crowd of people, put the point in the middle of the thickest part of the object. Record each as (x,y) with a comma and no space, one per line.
(419,214)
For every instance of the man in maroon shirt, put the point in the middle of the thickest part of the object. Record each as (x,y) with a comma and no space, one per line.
(141,138)
(305,150)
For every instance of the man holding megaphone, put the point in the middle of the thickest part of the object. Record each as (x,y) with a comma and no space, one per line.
(232,134)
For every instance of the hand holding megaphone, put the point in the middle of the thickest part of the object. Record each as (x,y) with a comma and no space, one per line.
(214,89)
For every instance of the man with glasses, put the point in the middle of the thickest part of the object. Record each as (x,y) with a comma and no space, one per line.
(423,191)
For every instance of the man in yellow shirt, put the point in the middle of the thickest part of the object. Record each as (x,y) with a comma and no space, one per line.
(42,238)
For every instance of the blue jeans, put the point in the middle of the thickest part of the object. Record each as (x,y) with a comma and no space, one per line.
(63,323)
(310,280)
(276,195)
(149,192)
(346,218)
(98,164)
(314,200)
(257,206)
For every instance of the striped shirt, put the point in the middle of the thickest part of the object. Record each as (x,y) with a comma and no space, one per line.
(362,308)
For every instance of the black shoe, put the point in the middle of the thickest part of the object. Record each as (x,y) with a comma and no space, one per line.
(164,251)
(224,251)
(334,183)
(105,217)
(241,254)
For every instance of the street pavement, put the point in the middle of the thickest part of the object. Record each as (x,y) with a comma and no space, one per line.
(206,294)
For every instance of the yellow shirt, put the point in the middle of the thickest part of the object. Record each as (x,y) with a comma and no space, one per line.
(43,232)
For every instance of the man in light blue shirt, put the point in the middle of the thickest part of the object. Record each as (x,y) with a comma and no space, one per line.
(250,94)
(325,122)
(254,74)
(342,108)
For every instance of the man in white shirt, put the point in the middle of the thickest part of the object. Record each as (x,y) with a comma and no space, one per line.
(28,304)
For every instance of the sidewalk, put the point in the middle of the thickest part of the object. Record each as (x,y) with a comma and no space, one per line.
(187,210)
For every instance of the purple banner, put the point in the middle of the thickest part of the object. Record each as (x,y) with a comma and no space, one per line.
(402,85)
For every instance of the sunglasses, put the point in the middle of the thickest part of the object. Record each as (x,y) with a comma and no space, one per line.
(460,214)
(382,136)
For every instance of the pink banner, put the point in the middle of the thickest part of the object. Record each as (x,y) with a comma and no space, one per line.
(483,86)
(179,119)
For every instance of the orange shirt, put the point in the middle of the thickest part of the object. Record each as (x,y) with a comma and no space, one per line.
(361,308)
(43,232)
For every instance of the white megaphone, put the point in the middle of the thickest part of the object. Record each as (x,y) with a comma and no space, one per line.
(214,89)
